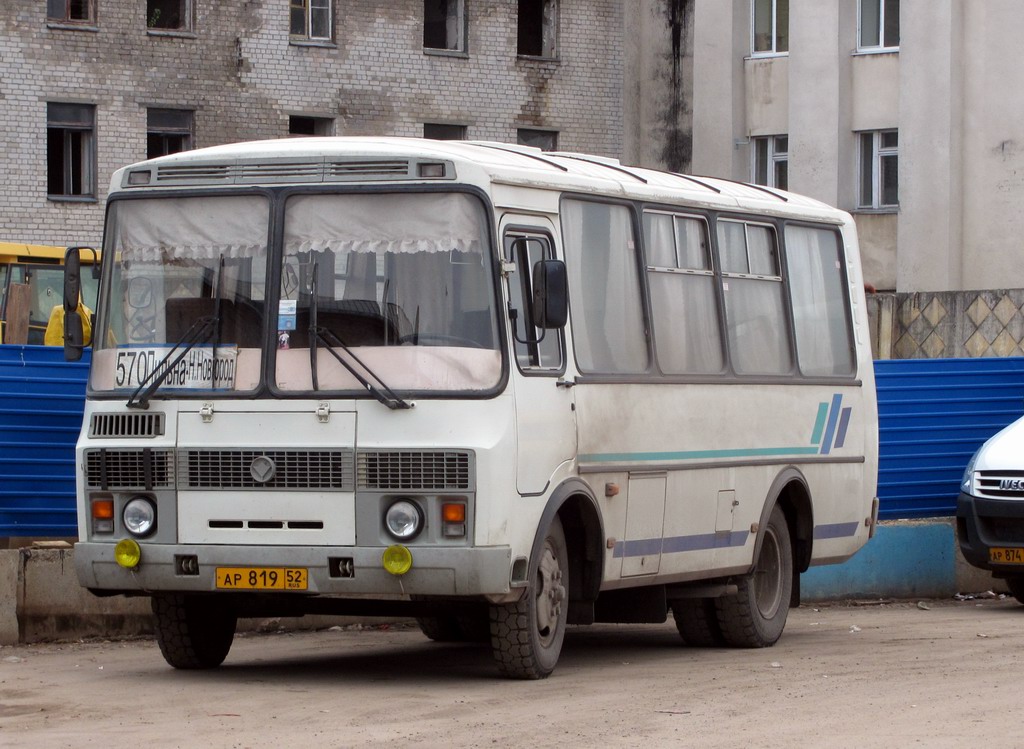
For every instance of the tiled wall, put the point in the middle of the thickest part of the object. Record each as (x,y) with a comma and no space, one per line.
(947,324)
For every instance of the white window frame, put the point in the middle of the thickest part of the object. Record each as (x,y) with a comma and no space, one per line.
(875,155)
(881,46)
(775,157)
(774,51)
(308,8)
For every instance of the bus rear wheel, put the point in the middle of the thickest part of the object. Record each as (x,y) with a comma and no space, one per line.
(526,636)
(697,622)
(193,632)
(755,616)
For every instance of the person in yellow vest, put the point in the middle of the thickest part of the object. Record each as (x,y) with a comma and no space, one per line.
(54,335)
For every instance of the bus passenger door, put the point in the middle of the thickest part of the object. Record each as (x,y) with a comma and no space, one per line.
(545,415)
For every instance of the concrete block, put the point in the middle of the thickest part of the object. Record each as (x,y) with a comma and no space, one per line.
(10,589)
(55,607)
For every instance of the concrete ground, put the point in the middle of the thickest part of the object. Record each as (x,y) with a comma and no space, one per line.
(929,673)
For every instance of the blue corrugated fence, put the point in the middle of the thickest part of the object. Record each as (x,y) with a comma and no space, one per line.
(41,402)
(933,414)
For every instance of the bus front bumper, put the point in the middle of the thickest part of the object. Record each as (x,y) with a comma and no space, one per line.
(445,571)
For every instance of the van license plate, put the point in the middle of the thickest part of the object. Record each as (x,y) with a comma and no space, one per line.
(262,578)
(1003,555)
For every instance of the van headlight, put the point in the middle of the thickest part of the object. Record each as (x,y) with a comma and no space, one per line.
(967,482)
(139,516)
(404,519)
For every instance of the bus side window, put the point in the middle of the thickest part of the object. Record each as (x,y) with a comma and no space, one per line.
(542,348)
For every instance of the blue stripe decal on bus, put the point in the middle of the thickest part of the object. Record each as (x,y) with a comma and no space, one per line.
(755,452)
(819,424)
(833,418)
(830,427)
(835,530)
(844,423)
(676,544)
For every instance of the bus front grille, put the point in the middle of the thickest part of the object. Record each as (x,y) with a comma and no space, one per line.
(304,469)
(148,469)
(414,470)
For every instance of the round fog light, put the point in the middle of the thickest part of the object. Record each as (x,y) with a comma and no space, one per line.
(127,553)
(139,516)
(404,520)
(397,560)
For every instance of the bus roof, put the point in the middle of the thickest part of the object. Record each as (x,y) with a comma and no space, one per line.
(373,160)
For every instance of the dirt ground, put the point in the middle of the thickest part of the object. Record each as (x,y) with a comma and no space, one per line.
(868,674)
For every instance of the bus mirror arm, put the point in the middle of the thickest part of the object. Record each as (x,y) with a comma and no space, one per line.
(74,335)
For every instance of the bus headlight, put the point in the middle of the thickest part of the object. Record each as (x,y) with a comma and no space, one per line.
(404,519)
(139,516)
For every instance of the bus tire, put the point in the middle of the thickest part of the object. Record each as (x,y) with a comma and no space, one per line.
(526,636)
(697,622)
(193,632)
(755,616)
(1015,584)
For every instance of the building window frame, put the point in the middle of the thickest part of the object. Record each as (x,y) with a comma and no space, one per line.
(542,138)
(72,12)
(155,19)
(878,161)
(310,126)
(311,21)
(447,19)
(773,43)
(878,25)
(770,161)
(537,29)
(70,151)
(168,131)
(444,131)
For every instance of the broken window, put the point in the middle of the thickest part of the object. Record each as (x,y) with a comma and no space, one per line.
(70,150)
(311,19)
(538,28)
(545,140)
(444,25)
(303,126)
(168,131)
(440,131)
(168,15)
(69,10)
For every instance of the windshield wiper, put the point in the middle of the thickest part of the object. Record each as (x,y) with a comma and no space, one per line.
(195,335)
(380,391)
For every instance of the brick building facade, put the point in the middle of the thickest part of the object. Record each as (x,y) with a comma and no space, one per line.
(90,85)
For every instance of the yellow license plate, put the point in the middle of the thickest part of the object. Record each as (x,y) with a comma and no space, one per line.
(262,578)
(1002,555)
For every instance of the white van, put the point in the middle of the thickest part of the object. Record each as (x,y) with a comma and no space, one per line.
(990,509)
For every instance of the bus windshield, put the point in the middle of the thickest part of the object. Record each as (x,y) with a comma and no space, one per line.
(392,288)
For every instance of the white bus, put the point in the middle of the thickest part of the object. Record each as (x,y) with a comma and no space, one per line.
(495,389)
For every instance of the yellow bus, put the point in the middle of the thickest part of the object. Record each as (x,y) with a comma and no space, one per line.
(41,267)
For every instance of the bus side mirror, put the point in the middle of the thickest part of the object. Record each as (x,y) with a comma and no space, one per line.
(74,336)
(550,294)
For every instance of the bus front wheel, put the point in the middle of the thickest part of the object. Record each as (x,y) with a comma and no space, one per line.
(526,636)
(193,631)
(755,615)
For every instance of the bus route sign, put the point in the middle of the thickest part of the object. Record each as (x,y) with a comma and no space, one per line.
(195,371)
